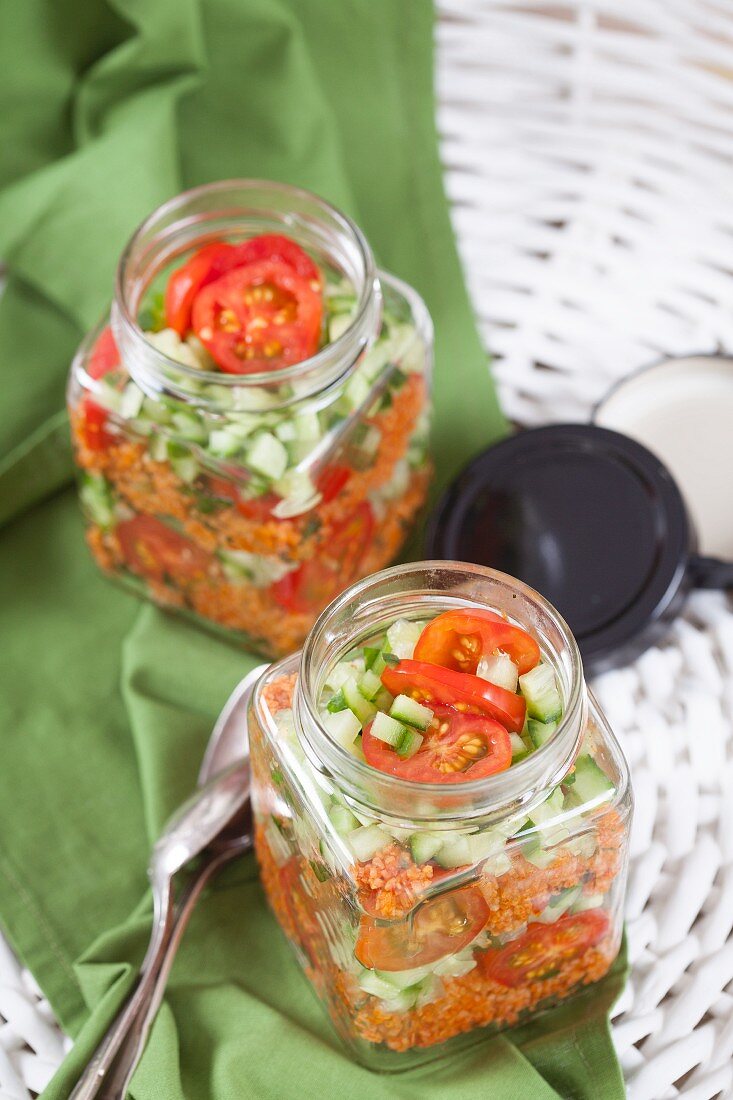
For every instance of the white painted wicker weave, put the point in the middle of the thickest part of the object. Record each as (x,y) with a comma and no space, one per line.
(588,148)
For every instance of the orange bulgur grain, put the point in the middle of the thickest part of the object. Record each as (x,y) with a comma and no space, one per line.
(150,487)
(393,880)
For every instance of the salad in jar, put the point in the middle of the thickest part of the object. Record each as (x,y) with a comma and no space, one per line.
(251,429)
(447,849)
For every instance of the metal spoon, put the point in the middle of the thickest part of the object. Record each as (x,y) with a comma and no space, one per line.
(216,823)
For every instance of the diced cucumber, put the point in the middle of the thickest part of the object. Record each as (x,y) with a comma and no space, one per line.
(519,749)
(484,844)
(403,979)
(454,966)
(455,852)
(190,426)
(370,685)
(559,905)
(268,456)
(539,688)
(371,983)
(155,411)
(499,669)
(285,431)
(387,729)
(224,443)
(341,672)
(343,727)
(407,710)
(402,637)
(367,840)
(186,468)
(371,653)
(384,700)
(403,1002)
(540,732)
(583,845)
(362,708)
(594,901)
(338,325)
(591,782)
(431,989)
(98,499)
(307,427)
(336,703)
(132,401)
(425,846)
(409,743)
(342,819)
(158,448)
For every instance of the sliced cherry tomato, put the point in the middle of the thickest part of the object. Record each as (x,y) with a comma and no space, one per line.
(93,426)
(458,639)
(457,747)
(544,949)
(317,581)
(331,481)
(154,550)
(260,317)
(104,356)
(273,246)
(433,684)
(439,927)
(203,267)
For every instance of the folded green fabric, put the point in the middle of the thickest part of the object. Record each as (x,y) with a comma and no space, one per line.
(106,705)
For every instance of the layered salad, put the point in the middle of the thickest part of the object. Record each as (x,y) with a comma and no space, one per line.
(214,487)
(417,931)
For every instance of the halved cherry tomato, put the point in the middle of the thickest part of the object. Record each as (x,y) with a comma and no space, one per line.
(438,927)
(544,949)
(104,356)
(273,246)
(153,550)
(93,426)
(433,684)
(331,481)
(458,639)
(207,264)
(260,317)
(317,581)
(456,748)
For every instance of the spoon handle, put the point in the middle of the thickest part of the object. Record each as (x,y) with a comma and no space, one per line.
(123,1062)
(91,1079)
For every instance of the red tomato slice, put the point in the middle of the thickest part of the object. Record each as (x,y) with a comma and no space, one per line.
(456,748)
(203,267)
(260,317)
(544,949)
(331,481)
(317,581)
(433,684)
(93,426)
(458,639)
(273,246)
(438,927)
(104,356)
(153,550)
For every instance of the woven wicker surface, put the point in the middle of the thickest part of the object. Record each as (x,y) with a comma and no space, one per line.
(588,148)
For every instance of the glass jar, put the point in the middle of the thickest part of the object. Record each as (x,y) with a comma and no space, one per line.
(250,500)
(428,914)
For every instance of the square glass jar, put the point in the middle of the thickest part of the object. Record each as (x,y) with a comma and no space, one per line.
(249,501)
(428,915)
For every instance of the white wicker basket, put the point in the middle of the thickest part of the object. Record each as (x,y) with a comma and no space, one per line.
(588,148)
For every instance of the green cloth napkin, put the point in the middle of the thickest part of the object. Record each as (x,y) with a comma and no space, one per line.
(105,704)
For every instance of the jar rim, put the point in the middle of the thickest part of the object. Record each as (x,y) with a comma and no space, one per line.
(522,784)
(125,322)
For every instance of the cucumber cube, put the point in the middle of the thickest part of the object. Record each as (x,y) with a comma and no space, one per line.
(409,743)
(367,840)
(343,727)
(539,732)
(425,846)
(362,708)
(539,689)
(268,456)
(388,730)
(407,710)
(370,685)
(402,637)
(499,669)
(591,782)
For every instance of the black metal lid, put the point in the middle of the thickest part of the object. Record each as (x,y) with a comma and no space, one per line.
(588,517)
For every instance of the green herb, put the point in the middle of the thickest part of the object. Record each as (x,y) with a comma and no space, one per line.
(320,870)
(152,317)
